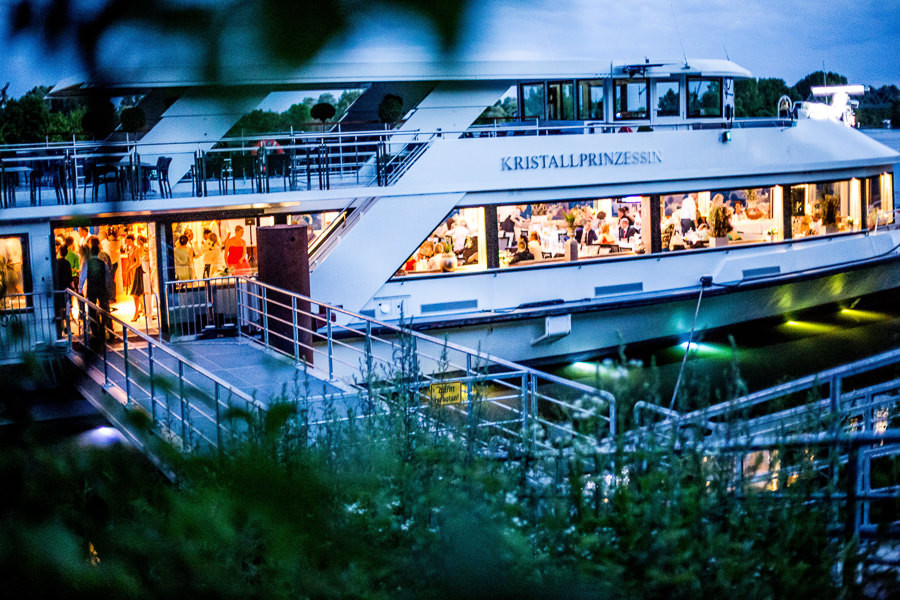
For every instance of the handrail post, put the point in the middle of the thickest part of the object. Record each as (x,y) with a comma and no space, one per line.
(469,379)
(152,384)
(239,302)
(125,361)
(218,417)
(294,328)
(181,398)
(523,387)
(265,316)
(330,343)
(68,323)
(532,393)
(105,361)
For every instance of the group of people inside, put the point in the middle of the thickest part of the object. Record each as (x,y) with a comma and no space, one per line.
(453,238)
(587,228)
(209,257)
(97,266)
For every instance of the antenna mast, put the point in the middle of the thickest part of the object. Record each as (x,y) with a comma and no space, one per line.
(678,31)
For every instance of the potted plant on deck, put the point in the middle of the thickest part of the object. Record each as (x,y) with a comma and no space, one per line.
(719,224)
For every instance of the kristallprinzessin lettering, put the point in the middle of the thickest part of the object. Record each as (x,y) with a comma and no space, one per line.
(529,162)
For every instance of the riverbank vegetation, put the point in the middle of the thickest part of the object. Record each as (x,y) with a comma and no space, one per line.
(394,507)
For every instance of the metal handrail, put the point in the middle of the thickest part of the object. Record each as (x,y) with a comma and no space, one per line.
(141,389)
(354,348)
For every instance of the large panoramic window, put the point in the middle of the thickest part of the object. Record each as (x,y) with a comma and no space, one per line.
(878,192)
(457,244)
(667,98)
(590,99)
(822,208)
(704,97)
(631,101)
(539,233)
(532,100)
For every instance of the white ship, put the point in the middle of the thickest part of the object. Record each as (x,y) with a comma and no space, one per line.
(422,219)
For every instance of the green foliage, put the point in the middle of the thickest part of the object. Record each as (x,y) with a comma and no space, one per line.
(322,111)
(390,109)
(133,119)
(719,220)
(759,97)
(24,120)
(404,504)
(100,119)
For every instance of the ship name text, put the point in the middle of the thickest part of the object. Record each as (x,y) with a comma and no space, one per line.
(529,162)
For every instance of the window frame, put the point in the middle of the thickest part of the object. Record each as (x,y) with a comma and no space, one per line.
(630,115)
(698,115)
(677,82)
(589,85)
(523,104)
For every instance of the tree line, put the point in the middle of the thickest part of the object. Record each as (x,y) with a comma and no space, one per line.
(34,118)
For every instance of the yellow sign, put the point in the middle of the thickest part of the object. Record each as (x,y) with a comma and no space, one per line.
(447,393)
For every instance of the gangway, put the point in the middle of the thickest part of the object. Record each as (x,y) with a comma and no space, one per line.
(846,418)
(364,355)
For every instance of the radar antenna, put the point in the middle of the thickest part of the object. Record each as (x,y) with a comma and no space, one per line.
(678,31)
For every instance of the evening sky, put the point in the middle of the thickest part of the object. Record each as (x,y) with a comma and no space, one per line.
(772,38)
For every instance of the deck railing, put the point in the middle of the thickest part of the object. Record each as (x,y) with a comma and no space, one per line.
(270,162)
(851,412)
(506,399)
(185,403)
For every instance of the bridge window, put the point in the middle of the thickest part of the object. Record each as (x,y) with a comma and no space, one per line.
(590,100)
(532,100)
(560,101)
(704,97)
(631,100)
(668,98)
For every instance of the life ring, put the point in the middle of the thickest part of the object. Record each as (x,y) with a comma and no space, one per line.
(271,145)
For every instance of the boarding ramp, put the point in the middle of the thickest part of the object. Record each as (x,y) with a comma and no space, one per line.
(372,359)
(842,423)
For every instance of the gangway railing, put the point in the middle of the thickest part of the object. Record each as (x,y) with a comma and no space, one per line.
(848,410)
(506,399)
(185,403)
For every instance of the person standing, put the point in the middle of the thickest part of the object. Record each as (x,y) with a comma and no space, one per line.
(688,214)
(95,274)
(236,251)
(140,276)
(212,254)
(184,259)
(64,281)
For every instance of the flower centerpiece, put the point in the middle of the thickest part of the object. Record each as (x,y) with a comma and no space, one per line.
(719,224)
(828,209)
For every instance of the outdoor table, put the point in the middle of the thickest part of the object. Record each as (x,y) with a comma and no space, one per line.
(9,178)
